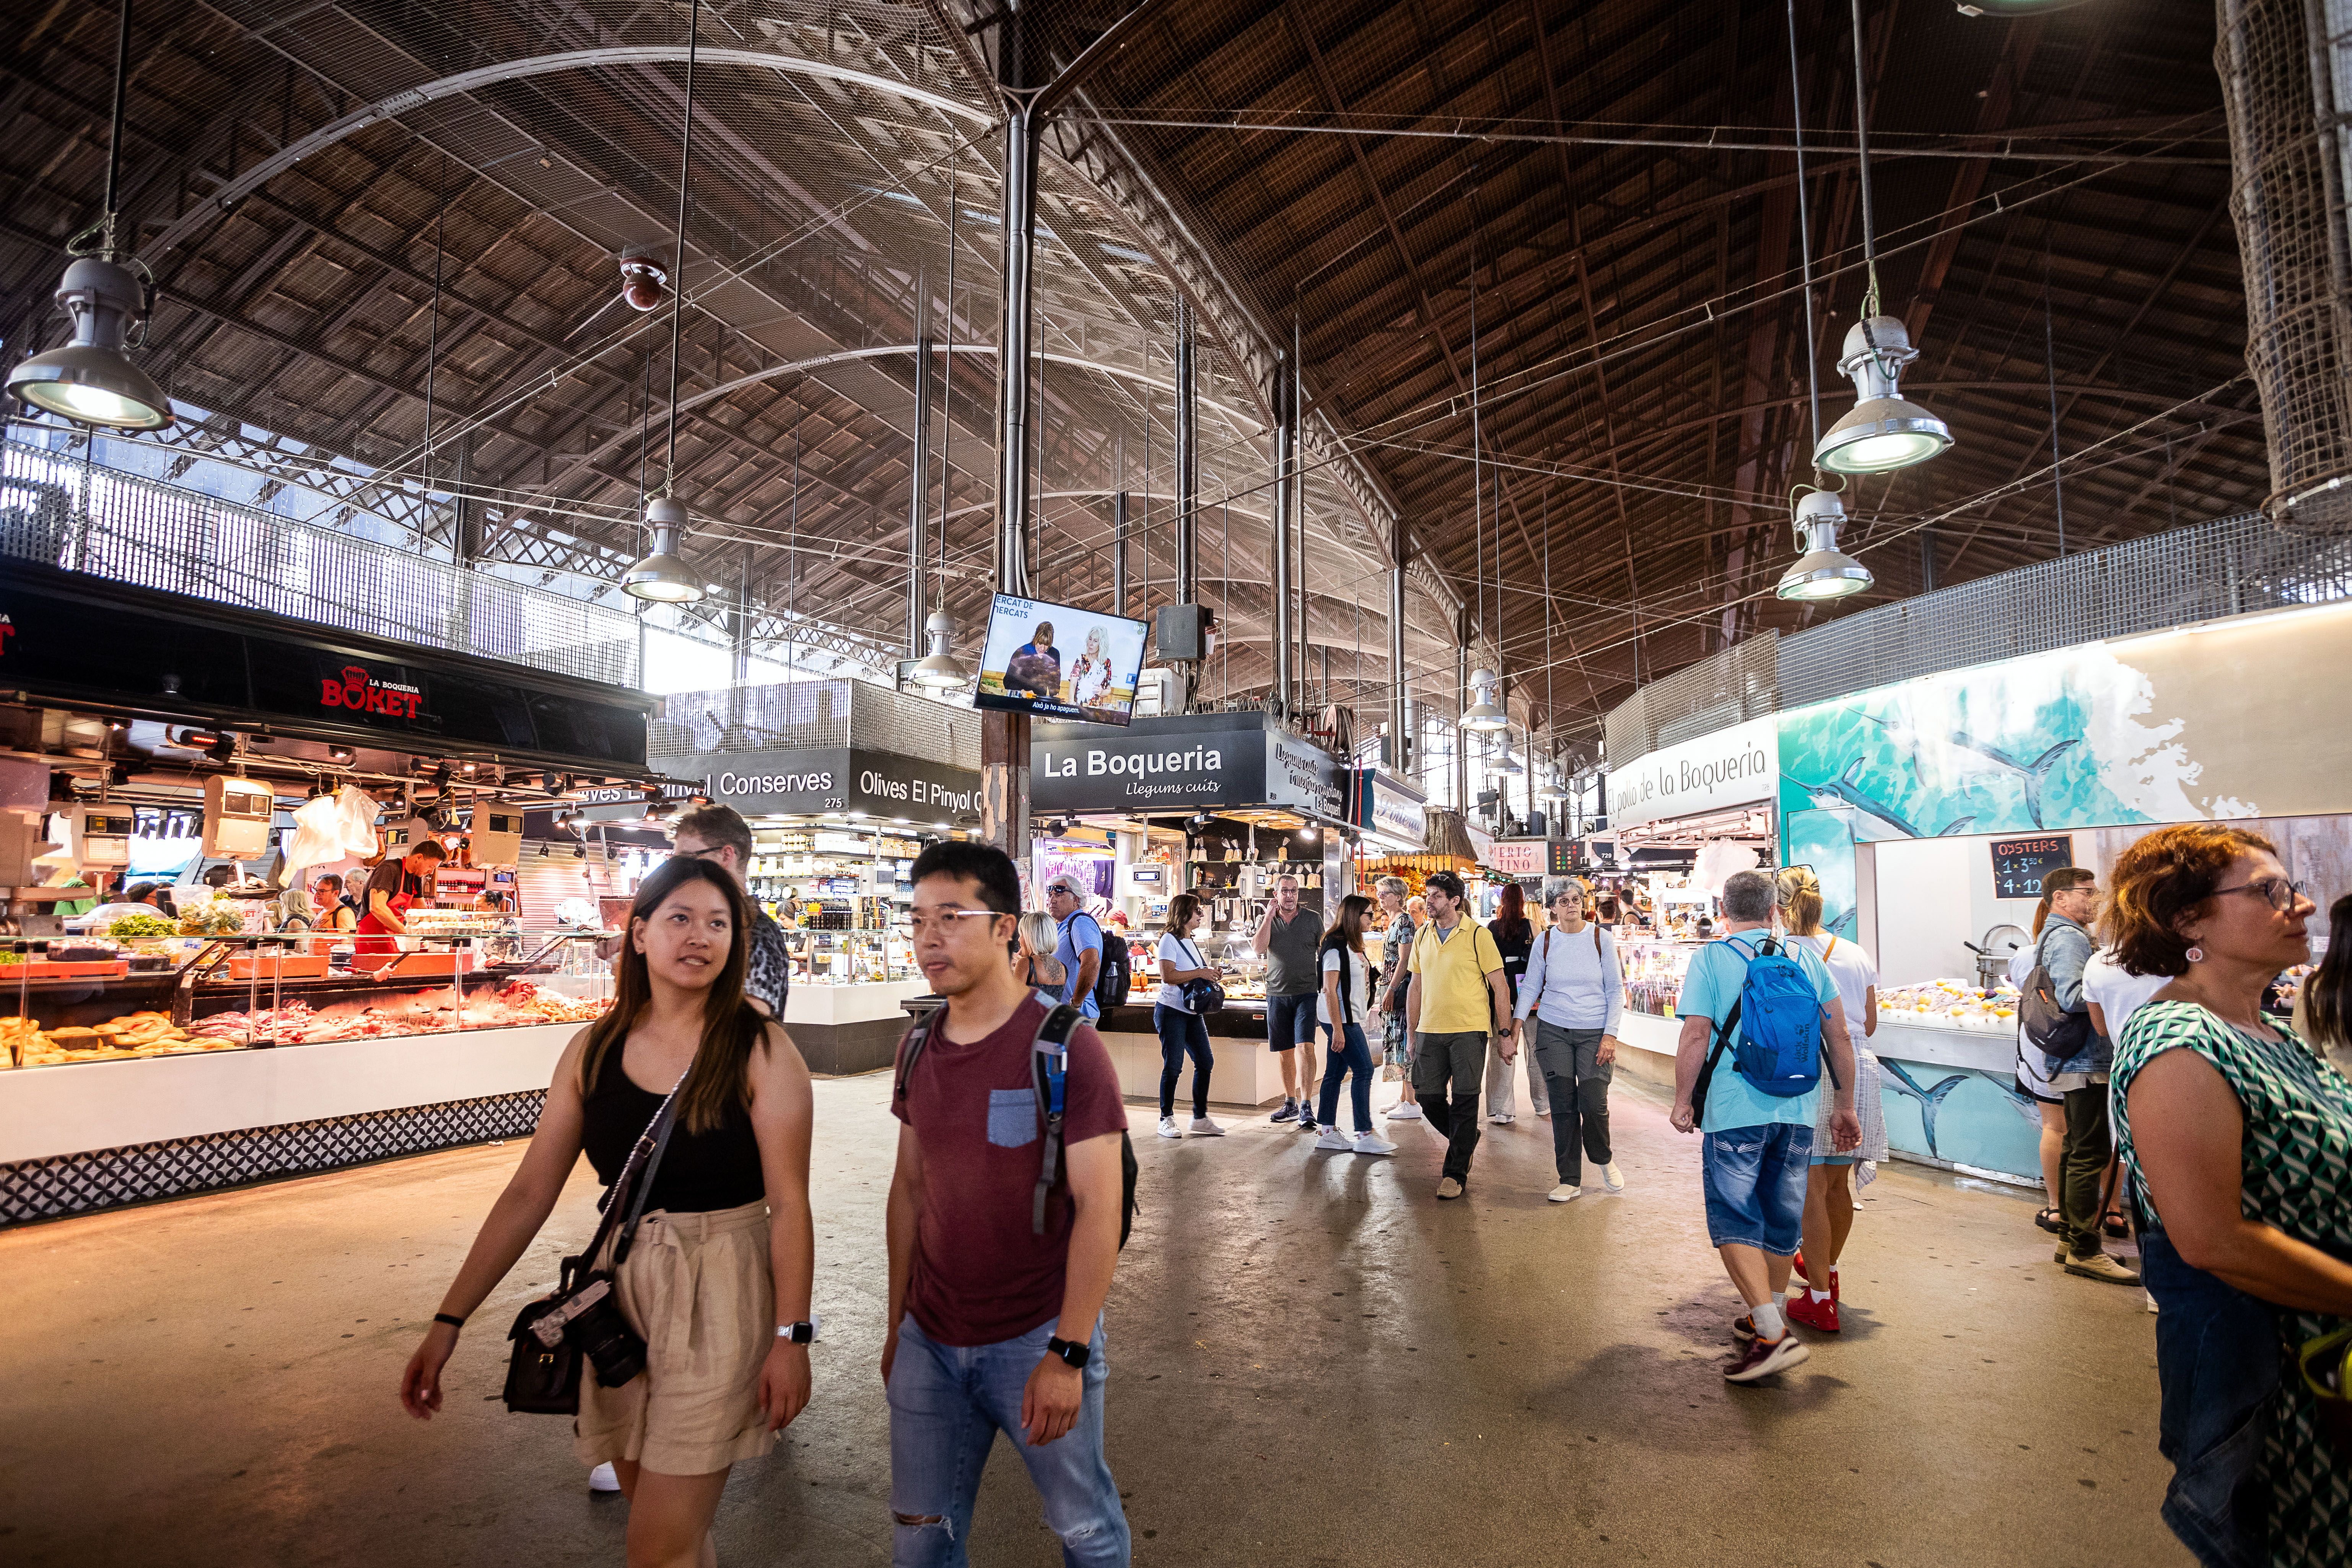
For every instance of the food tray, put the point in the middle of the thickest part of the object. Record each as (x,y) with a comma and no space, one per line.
(277,967)
(427,966)
(42,969)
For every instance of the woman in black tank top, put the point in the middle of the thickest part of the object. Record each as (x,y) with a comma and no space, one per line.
(718,1276)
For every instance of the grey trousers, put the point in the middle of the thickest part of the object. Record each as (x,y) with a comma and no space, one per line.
(1502,1085)
(1447,1071)
(1570,1062)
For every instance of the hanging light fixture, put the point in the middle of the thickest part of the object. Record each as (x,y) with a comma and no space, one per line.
(91,379)
(1883,431)
(940,671)
(1485,714)
(663,576)
(1823,571)
(1550,788)
(1505,763)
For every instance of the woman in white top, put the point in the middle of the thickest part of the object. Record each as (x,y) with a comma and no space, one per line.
(1181,1031)
(1575,989)
(1829,1190)
(1341,1007)
(1090,676)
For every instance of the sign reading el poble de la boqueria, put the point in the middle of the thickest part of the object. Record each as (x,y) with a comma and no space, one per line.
(1730,767)
(1183,762)
(814,781)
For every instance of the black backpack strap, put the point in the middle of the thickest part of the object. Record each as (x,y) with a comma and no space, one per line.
(916,1039)
(1049,1080)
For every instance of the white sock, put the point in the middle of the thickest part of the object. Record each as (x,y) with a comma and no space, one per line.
(1819,1295)
(1768,1320)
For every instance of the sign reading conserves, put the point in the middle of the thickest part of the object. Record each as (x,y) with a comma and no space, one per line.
(1730,767)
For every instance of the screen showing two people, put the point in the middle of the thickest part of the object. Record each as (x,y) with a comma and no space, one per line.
(1060,662)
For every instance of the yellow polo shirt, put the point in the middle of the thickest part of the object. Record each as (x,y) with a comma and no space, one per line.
(1454,967)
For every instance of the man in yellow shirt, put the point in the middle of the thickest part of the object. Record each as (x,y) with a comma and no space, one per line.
(1458,992)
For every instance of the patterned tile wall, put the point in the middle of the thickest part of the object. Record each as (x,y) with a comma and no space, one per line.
(79,1183)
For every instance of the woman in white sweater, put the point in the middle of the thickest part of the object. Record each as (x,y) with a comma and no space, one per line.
(1575,989)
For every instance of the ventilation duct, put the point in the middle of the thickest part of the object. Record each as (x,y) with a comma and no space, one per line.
(2289,97)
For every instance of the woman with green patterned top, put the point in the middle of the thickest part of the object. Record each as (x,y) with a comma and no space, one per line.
(2237,1138)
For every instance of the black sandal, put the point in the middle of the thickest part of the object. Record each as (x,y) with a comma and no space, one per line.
(2114,1224)
(2048,1220)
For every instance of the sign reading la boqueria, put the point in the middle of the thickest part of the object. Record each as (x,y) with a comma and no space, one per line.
(1736,766)
(1182,762)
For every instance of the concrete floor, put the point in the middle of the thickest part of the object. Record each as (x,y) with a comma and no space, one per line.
(1312,1361)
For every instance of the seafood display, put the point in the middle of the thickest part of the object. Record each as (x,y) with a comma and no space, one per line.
(517,1002)
(1950,1005)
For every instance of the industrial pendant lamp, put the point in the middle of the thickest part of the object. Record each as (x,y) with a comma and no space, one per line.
(1883,431)
(662,575)
(1485,714)
(1550,788)
(91,379)
(940,671)
(1823,571)
(1506,763)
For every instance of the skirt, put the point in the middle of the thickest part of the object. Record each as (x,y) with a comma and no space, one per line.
(699,1288)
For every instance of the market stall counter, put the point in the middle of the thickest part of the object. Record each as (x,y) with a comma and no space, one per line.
(159,1067)
(1939,1042)
(1246,1075)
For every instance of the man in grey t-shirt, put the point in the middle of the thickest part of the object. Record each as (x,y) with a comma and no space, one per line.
(1290,939)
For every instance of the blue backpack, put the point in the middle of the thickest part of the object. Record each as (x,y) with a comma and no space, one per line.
(1777,1018)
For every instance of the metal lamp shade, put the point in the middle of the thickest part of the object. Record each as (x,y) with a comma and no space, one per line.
(661,576)
(91,379)
(1880,434)
(1823,571)
(939,671)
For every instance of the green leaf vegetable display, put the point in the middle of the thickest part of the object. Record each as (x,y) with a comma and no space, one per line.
(215,918)
(130,926)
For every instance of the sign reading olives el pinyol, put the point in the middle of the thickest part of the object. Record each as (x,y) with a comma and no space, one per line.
(1730,767)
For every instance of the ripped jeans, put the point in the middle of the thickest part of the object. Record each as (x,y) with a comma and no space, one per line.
(946,1404)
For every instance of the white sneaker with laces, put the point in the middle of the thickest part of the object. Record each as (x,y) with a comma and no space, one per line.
(1611,1177)
(1404,1110)
(1168,1128)
(1333,1139)
(1204,1128)
(1564,1193)
(602,1479)
(1502,1118)
(1372,1144)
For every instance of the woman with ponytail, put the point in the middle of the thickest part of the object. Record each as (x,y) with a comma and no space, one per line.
(1829,1189)
(722,1262)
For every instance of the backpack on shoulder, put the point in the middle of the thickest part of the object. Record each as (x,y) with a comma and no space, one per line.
(1117,977)
(1048,1054)
(1777,1018)
(2058,1034)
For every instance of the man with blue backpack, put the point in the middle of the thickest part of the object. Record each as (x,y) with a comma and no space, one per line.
(1762,1029)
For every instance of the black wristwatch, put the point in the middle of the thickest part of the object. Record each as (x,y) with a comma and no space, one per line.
(1075,1354)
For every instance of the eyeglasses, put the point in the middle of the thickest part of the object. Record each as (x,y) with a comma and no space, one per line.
(695,854)
(942,922)
(2280,893)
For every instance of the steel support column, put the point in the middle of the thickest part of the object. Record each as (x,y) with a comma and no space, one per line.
(918,488)
(1400,757)
(1462,706)
(1004,737)
(1119,553)
(1188,462)
(1285,460)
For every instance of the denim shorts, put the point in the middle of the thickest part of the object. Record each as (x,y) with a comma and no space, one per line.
(1754,1181)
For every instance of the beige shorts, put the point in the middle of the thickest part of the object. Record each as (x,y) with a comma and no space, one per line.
(699,1288)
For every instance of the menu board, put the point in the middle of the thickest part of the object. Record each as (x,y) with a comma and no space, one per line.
(2020,864)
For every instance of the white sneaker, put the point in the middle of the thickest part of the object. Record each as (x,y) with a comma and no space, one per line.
(1612,1178)
(1168,1128)
(602,1479)
(2151,1302)
(1372,1144)
(1564,1193)
(1333,1139)
(1502,1118)
(1404,1110)
(1204,1128)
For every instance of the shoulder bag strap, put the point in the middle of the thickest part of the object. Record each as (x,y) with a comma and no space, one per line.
(916,1039)
(665,1123)
(1049,1072)
(630,1187)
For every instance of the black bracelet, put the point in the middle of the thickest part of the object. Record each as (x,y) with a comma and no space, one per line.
(454,1322)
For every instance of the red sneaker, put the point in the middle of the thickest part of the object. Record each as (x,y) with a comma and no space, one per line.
(1821,1315)
(1763,1358)
(1797,1268)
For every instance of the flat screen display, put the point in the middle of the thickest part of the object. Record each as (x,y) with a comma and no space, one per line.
(1060,661)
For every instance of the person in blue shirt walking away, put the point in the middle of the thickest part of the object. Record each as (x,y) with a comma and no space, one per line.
(1079,945)
(1762,1031)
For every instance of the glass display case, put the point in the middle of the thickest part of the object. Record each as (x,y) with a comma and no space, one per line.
(92,999)
(1654,973)
(852,957)
(1956,1005)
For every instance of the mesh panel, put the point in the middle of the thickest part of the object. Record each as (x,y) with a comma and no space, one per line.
(815,713)
(2236,565)
(135,530)
(2289,177)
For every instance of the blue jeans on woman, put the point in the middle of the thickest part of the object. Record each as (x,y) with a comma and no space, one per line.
(1353,1057)
(2217,1363)
(946,1404)
(1182,1033)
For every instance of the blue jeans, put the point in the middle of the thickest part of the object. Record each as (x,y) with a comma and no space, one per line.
(1353,1055)
(2218,1363)
(946,1404)
(1755,1182)
(1181,1034)
(1290,1021)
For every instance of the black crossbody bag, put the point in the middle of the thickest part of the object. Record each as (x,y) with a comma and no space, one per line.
(580,1319)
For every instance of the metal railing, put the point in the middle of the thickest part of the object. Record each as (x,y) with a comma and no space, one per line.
(2230,566)
(87,517)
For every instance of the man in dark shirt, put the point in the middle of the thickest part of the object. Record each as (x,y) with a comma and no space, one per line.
(995,1326)
(719,834)
(1289,939)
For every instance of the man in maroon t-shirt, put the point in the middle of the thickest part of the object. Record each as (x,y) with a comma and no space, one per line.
(993,1326)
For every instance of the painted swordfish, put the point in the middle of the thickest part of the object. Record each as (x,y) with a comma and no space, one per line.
(1878,820)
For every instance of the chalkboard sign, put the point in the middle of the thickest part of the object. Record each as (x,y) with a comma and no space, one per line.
(2020,864)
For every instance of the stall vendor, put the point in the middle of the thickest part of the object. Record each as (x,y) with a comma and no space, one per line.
(392,888)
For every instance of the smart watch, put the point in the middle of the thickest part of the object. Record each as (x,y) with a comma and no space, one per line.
(1077,1355)
(799,1333)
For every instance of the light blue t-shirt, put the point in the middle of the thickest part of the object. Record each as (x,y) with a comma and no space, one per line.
(1709,988)
(1080,935)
